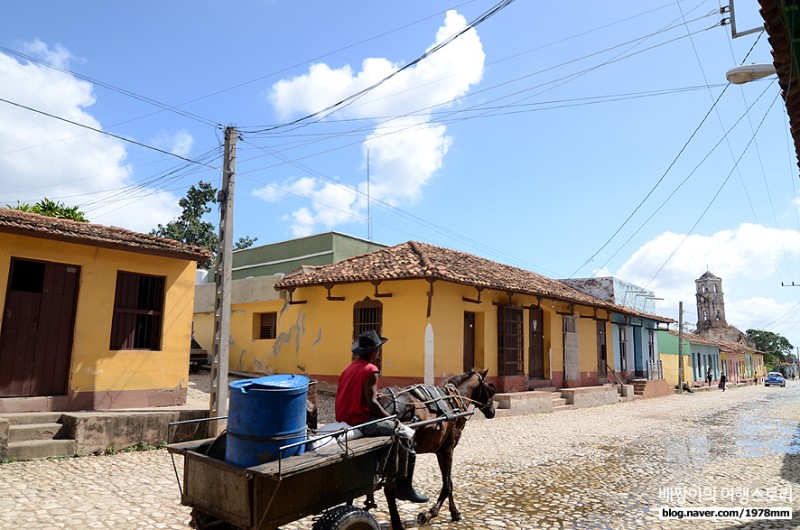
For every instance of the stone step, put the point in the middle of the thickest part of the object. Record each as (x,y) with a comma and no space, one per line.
(22,418)
(36,449)
(559,402)
(33,431)
(562,407)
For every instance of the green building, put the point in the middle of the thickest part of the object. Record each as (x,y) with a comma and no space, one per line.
(286,256)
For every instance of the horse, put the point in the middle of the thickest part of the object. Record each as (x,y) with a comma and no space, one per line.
(441,438)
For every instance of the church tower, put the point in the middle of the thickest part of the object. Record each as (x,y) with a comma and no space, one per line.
(710,303)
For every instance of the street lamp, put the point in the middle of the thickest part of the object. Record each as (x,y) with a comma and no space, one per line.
(749,72)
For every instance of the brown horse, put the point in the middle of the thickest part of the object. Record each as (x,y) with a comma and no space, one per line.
(440,438)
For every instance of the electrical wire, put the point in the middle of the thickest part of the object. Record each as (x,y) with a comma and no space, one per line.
(719,190)
(680,185)
(321,114)
(111,87)
(106,133)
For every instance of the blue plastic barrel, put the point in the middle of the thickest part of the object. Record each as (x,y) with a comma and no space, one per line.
(265,414)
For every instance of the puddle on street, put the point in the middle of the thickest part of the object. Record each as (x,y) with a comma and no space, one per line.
(614,482)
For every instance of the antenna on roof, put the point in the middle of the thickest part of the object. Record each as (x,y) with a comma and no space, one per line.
(369,220)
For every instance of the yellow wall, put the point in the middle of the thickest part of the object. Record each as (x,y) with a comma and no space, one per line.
(669,364)
(93,366)
(315,337)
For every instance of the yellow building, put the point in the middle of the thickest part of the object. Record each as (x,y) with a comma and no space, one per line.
(94,317)
(443,311)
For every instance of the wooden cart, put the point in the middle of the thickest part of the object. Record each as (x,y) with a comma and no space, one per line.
(268,495)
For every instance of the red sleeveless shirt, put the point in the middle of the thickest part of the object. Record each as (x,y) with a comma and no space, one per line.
(350,405)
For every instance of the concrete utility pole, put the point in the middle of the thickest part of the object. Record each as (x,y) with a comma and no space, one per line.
(680,346)
(218,402)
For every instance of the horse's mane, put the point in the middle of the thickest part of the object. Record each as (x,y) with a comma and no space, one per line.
(458,379)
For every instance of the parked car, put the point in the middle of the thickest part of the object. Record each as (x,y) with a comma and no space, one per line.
(198,357)
(775,379)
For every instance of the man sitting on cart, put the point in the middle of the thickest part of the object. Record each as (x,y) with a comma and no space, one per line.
(357,403)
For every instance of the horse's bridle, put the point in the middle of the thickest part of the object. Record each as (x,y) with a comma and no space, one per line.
(487,392)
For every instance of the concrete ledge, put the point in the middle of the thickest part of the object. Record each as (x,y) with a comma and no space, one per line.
(5,426)
(530,402)
(95,431)
(590,396)
(657,388)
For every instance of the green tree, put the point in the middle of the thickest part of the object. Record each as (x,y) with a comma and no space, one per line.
(775,347)
(52,209)
(244,242)
(190,228)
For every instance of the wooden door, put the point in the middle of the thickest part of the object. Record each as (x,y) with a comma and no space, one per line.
(602,349)
(536,346)
(38,325)
(469,341)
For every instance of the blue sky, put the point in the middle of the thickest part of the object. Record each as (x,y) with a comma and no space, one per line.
(568,138)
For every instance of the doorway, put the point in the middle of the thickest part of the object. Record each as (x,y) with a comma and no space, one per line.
(38,326)
(536,346)
(469,341)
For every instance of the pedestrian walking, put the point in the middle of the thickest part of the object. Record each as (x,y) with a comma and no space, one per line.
(709,377)
(722,381)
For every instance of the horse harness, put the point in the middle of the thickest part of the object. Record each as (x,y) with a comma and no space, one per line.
(445,401)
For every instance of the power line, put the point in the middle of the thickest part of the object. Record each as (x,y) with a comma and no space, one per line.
(686,179)
(118,137)
(353,97)
(109,86)
(711,202)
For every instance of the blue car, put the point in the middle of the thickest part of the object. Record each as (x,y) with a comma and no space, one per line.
(775,379)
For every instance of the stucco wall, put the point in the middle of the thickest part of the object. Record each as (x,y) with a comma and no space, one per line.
(314,337)
(94,367)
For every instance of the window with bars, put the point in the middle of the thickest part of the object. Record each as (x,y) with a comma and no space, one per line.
(367,315)
(510,340)
(651,344)
(138,312)
(264,325)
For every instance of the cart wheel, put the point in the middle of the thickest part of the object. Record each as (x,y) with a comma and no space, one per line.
(346,518)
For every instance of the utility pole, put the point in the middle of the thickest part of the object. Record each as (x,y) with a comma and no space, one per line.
(218,402)
(680,346)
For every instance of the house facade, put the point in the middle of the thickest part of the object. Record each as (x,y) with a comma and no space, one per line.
(737,361)
(93,317)
(444,312)
(635,338)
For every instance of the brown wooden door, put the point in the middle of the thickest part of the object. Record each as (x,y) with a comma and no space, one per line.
(602,349)
(536,347)
(469,341)
(38,324)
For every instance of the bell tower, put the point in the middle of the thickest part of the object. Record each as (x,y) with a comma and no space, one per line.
(710,303)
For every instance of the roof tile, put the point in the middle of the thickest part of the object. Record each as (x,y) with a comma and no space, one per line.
(35,225)
(415,260)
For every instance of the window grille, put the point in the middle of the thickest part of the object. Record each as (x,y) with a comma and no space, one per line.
(510,340)
(138,312)
(265,325)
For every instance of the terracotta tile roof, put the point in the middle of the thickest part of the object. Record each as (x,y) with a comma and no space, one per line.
(734,347)
(35,225)
(784,47)
(415,260)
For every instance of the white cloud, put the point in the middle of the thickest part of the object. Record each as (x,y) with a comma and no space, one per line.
(56,55)
(179,143)
(404,153)
(43,157)
(747,258)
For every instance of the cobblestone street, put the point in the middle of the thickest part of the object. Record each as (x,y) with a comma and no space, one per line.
(604,467)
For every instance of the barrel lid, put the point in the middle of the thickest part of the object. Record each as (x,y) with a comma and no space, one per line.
(272,382)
